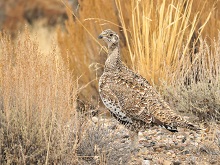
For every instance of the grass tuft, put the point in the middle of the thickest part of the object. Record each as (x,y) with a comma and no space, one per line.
(195,89)
(39,123)
(36,107)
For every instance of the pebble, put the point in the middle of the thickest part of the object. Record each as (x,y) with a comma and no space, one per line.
(185,152)
(162,145)
(168,153)
(180,137)
(173,155)
(158,149)
(125,136)
(95,119)
(167,162)
(146,162)
(183,139)
(123,141)
(160,133)
(195,144)
(176,163)
(148,137)
(158,138)
(181,148)
(151,144)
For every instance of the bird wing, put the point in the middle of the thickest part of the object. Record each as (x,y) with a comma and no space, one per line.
(112,103)
(140,100)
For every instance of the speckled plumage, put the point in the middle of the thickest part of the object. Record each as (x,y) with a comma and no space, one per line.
(129,96)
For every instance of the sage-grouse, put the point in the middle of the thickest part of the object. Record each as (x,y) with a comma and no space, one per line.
(130,98)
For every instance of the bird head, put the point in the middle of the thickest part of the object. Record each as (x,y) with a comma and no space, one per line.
(110,37)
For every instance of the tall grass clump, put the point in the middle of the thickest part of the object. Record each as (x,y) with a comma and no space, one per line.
(156,34)
(37,116)
(195,86)
(39,123)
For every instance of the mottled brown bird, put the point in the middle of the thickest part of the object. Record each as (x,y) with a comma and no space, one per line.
(130,98)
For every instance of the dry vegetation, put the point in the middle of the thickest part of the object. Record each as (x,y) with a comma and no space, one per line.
(195,89)
(37,110)
(39,123)
(165,41)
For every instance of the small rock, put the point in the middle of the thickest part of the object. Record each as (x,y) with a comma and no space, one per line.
(213,161)
(176,163)
(151,144)
(203,149)
(176,143)
(143,142)
(168,147)
(158,138)
(148,138)
(167,162)
(185,152)
(125,136)
(158,149)
(180,137)
(181,148)
(160,133)
(146,162)
(148,157)
(123,141)
(168,153)
(183,140)
(196,144)
(95,119)
(191,137)
(113,127)
(162,146)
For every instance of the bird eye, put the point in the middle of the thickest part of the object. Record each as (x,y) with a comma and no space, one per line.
(111,34)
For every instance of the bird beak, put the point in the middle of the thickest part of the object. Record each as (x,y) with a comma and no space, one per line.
(100,36)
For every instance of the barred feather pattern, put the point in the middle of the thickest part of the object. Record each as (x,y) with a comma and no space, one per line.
(130,98)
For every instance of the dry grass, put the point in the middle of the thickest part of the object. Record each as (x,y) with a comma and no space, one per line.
(35,106)
(156,35)
(195,89)
(39,123)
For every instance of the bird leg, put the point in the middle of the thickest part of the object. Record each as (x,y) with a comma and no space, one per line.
(174,138)
(134,138)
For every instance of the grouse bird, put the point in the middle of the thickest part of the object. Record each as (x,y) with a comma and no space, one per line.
(130,98)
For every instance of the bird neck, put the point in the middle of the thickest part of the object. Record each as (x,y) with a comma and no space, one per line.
(114,59)
(112,47)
